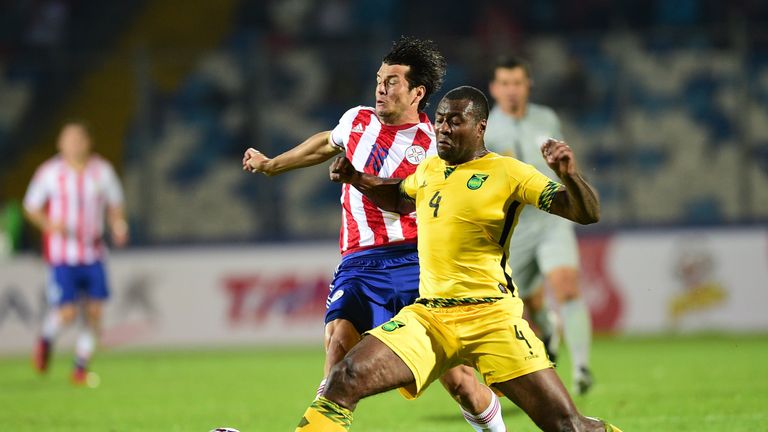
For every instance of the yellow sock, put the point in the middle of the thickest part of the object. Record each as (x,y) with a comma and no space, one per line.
(325,416)
(611,428)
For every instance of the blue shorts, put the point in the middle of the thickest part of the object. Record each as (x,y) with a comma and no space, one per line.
(69,283)
(371,286)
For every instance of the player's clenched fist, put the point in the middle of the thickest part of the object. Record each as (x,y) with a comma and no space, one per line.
(341,170)
(254,161)
(559,157)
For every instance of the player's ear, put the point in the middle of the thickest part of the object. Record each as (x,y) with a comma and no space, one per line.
(418,94)
(481,125)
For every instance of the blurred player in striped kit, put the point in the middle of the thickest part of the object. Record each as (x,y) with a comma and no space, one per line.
(544,250)
(379,271)
(67,200)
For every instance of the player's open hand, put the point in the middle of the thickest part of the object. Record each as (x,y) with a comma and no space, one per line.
(559,157)
(342,170)
(254,161)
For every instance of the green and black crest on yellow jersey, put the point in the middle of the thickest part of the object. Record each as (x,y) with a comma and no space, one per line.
(476,181)
(392,325)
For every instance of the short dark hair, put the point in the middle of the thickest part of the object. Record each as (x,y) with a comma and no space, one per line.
(479,101)
(425,60)
(509,61)
(76,121)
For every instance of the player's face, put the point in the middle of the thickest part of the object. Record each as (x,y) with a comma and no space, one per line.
(74,142)
(394,101)
(510,88)
(459,134)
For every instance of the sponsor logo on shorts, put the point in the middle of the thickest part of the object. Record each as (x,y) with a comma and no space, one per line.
(335,296)
(476,181)
(392,326)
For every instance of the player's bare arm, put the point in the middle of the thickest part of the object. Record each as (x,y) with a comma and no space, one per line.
(384,192)
(578,200)
(314,150)
(40,220)
(118,227)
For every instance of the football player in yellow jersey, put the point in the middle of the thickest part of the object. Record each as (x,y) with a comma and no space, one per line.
(467,203)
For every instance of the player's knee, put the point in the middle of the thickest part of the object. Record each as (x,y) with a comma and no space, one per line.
(459,383)
(466,390)
(67,314)
(569,294)
(344,382)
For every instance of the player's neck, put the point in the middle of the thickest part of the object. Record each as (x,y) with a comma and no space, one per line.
(410,117)
(77,164)
(516,112)
(477,154)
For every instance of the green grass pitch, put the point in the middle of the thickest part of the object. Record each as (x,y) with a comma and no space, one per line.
(702,383)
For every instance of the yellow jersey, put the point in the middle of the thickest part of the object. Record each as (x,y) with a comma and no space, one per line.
(466,214)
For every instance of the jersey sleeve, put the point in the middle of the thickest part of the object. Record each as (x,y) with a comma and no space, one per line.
(113,190)
(410,185)
(37,193)
(530,186)
(340,134)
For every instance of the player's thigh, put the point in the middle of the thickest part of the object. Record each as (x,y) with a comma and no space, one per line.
(95,282)
(501,344)
(340,336)
(543,397)
(426,346)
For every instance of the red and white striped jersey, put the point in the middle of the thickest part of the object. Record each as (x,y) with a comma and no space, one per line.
(384,151)
(78,200)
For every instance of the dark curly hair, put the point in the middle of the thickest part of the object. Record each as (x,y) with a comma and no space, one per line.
(425,60)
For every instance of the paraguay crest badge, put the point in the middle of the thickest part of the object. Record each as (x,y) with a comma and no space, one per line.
(415,154)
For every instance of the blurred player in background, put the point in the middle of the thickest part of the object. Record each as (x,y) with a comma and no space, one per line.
(67,200)
(544,249)
(468,201)
(379,271)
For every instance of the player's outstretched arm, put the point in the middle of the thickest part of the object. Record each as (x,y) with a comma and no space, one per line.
(384,192)
(578,201)
(314,150)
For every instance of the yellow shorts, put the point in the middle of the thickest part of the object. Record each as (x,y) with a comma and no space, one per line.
(492,337)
